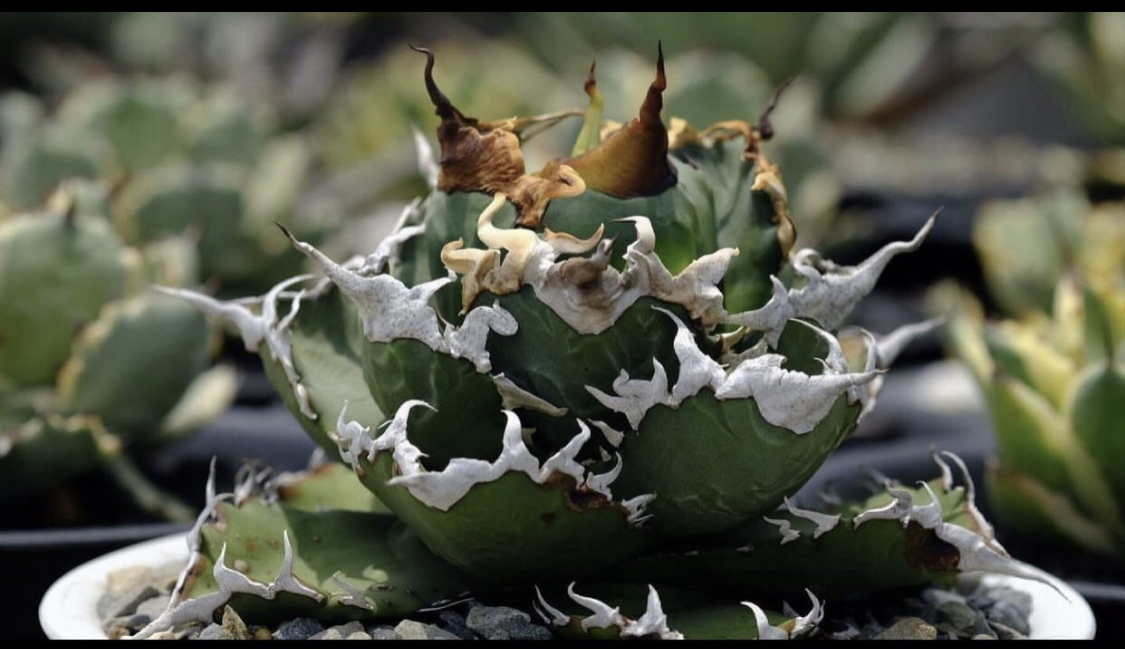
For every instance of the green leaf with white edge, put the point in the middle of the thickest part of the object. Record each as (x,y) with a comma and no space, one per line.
(552,361)
(512,530)
(1096,409)
(1025,505)
(1037,440)
(371,553)
(448,217)
(55,276)
(133,364)
(846,562)
(1103,330)
(715,463)
(325,343)
(697,614)
(1026,356)
(466,421)
(744,218)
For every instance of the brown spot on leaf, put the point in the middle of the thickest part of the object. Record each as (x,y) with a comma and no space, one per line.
(633,160)
(486,157)
(926,550)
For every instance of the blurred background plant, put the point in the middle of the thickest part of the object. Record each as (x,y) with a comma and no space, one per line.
(192,131)
(95,367)
(1052,372)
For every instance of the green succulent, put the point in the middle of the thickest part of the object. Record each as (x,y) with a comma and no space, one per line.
(1053,378)
(177,159)
(604,371)
(90,362)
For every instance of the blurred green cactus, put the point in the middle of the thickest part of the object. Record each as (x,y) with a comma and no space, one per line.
(1053,379)
(90,361)
(175,158)
(588,373)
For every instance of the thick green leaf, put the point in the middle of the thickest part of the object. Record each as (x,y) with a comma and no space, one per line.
(54,278)
(467,421)
(846,562)
(325,344)
(1023,504)
(1097,415)
(132,365)
(373,553)
(513,530)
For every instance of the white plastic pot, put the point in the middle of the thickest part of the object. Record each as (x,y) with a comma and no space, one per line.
(69,609)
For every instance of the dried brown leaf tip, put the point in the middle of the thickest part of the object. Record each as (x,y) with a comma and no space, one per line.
(486,157)
(633,160)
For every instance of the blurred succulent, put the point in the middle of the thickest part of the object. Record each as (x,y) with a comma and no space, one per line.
(1053,379)
(1085,56)
(533,407)
(90,362)
(179,159)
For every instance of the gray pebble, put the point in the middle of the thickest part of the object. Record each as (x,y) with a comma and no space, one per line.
(504,623)
(1010,615)
(301,628)
(126,603)
(343,632)
(233,626)
(411,630)
(153,607)
(909,628)
(213,632)
(958,618)
(454,622)
(382,632)
(938,596)
(1005,632)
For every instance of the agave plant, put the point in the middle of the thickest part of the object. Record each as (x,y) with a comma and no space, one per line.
(91,361)
(613,370)
(178,158)
(1053,379)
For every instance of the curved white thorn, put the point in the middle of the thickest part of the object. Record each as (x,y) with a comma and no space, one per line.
(603,615)
(805,624)
(567,244)
(652,623)
(352,596)
(557,617)
(785,528)
(891,345)
(928,516)
(766,631)
(982,524)
(897,510)
(251,328)
(286,581)
(601,482)
(824,522)
(513,396)
(646,237)
(612,435)
(697,370)
(946,472)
